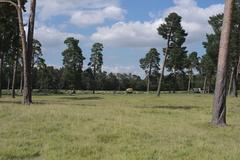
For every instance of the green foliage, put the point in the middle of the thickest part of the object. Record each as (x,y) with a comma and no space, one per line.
(151,61)
(37,58)
(173,31)
(95,64)
(192,62)
(171,25)
(73,63)
(207,67)
(96,59)
(212,44)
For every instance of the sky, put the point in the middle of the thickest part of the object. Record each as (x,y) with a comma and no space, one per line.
(127,28)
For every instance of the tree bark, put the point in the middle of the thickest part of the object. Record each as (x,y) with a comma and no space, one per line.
(94,79)
(31,24)
(175,80)
(231,82)
(14,77)
(232,90)
(21,82)
(205,85)
(1,75)
(149,76)
(237,74)
(219,105)
(234,83)
(8,82)
(26,95)
(189,81)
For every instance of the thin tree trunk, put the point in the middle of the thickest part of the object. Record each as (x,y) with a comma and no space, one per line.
(175,80)
(14,77)
(94,79)
(164,63)
(237,74)
(189,81)
(231,81)
(232,90)
(219,105)
(234,84)
(149,76)
(21,82)
(8,82)
(1,75)
(205,85)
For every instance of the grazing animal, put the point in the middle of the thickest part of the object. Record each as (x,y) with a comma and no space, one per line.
(129,91)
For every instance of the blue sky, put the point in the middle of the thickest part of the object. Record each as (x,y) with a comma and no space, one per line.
(127,28)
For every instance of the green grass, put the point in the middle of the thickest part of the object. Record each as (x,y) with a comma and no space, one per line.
(117,127)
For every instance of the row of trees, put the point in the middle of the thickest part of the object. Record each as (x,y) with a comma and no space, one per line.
(46,78)
(73,63)
(176,59)
(72,76)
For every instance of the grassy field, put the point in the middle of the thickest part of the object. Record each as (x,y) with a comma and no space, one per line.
(117,127)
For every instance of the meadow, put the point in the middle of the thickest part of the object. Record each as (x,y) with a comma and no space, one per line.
(117,127)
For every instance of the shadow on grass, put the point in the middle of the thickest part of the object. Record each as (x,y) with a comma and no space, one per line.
(81,98)
(169,107)
(20,102)
(43,103)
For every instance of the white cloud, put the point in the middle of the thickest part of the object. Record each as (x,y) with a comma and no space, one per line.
(80,12)
(144,34)
(93,17)
(123,69)
(131,34)
(185,3)
(53,38)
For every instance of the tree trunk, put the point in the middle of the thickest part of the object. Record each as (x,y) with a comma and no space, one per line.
(234,84)
(189,82)
(8,82)
(149,76)
(1,75)
(231,82)
(21,82)
(164,63)
(219,106)
(31,24)
(26,95)
(94,79)
(232,90)
(238,65)
(175,79)
(14,77)
(205,85)
(237,74)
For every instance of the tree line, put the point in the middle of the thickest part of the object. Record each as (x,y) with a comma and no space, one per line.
(73,76)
